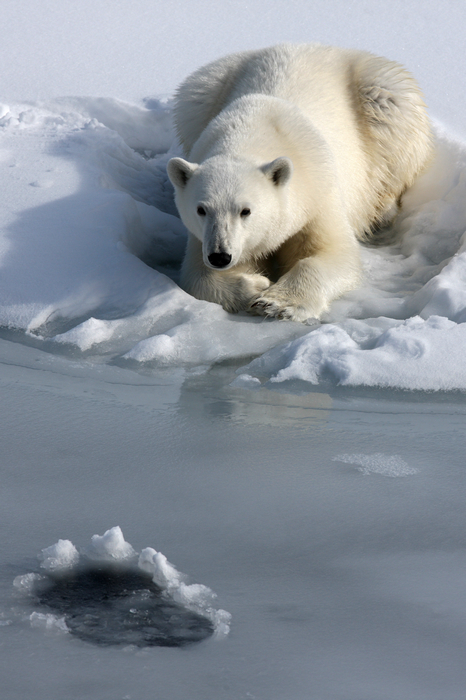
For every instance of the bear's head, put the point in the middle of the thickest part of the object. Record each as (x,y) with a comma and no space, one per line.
(235,208)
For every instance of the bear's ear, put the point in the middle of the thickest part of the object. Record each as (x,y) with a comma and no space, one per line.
(279,171)
(179,171)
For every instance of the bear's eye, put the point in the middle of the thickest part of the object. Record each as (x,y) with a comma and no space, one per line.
(201,211)
(245,212)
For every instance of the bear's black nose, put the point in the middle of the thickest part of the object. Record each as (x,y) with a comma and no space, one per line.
(219,259)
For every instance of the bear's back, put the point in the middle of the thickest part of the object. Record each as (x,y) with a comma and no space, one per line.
(310,76)
(368,110)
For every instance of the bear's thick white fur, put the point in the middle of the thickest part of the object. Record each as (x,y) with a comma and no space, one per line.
(295,153)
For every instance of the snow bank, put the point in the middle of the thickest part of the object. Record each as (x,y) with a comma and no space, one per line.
(405,326)
(413,354)
(90,247)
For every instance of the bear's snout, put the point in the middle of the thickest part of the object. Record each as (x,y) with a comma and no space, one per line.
(219,259)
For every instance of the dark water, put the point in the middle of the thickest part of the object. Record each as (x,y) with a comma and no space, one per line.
(110,606)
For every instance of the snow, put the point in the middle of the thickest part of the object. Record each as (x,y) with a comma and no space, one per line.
(60,556)
(313,476)
(96,211)
(379,463)
(110,546)
(48,622)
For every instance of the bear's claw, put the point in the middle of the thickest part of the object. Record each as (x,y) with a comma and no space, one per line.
(271,309)
(282,312)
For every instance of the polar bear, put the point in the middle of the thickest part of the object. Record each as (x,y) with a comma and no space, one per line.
(293,154)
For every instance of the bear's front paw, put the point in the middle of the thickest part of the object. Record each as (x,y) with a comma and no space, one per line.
(248,287)
(272,308)
(252,286)
(238,293)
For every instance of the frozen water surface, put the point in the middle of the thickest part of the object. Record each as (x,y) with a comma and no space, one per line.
(285,502)
(340,582)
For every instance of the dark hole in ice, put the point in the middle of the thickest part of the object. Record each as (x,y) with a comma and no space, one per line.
(110,606)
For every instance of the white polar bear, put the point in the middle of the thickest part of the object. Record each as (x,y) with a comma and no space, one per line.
(296,153)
